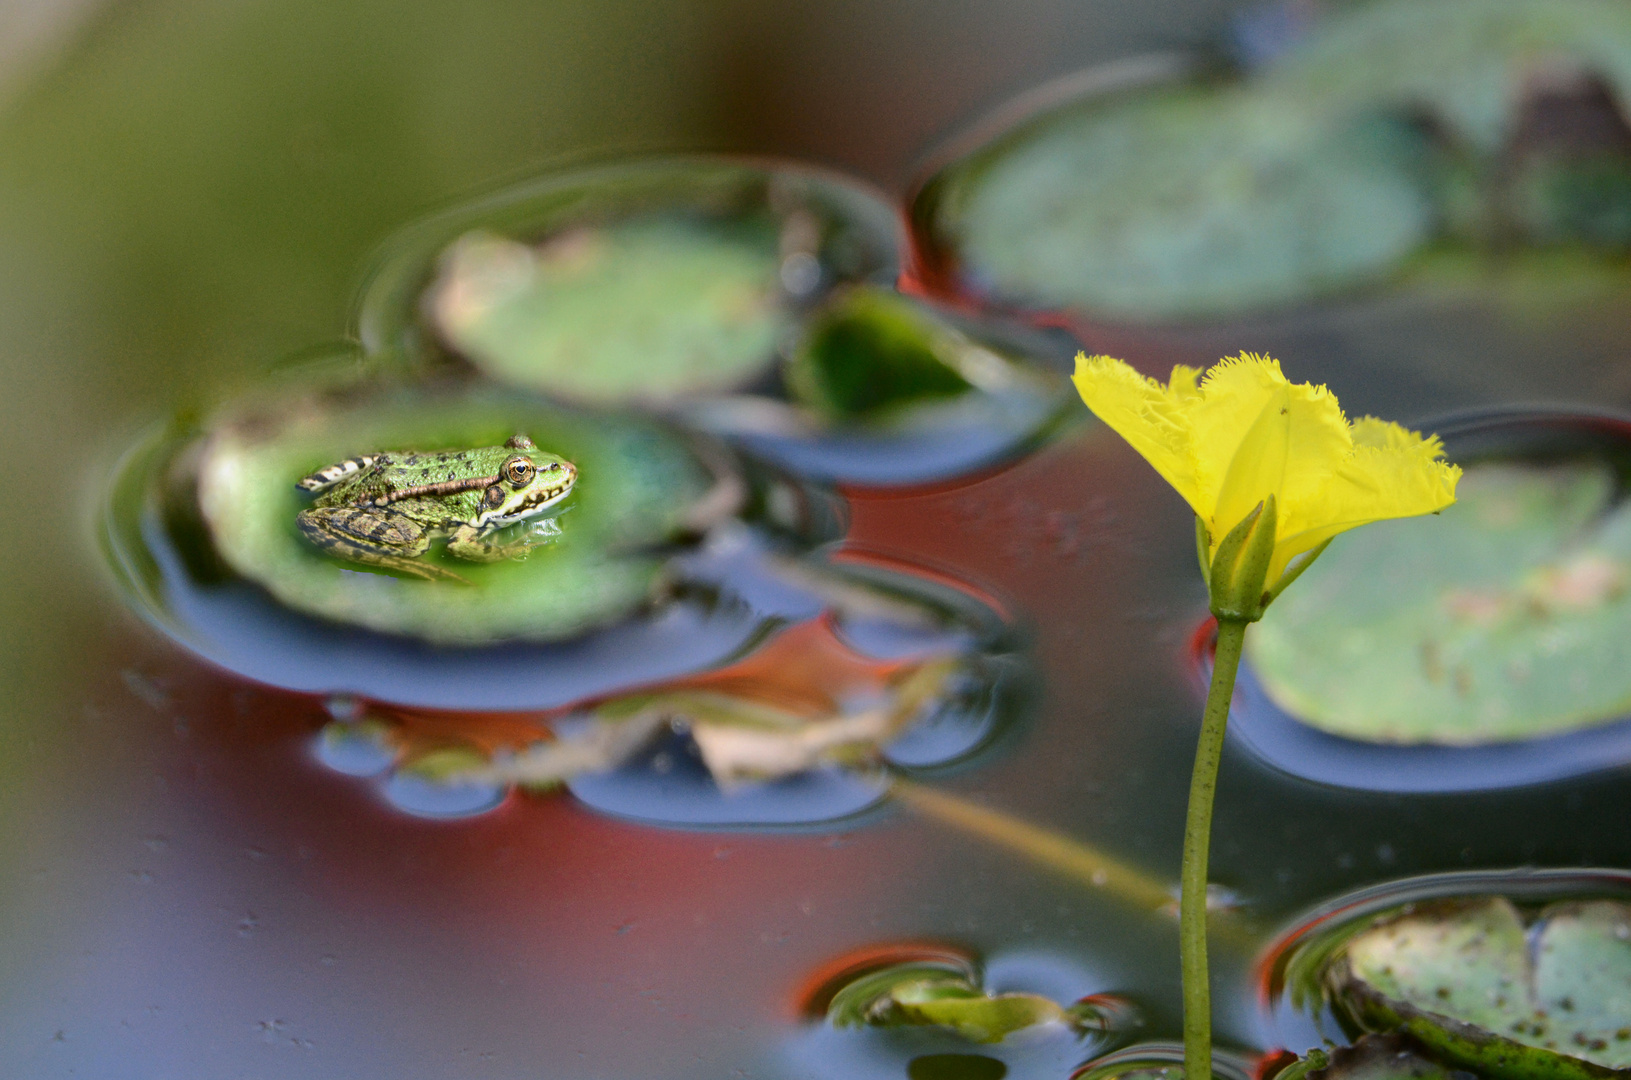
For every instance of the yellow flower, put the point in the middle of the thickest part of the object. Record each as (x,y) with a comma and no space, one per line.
(1242,435)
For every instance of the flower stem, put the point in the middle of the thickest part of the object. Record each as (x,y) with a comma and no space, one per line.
(1197,844)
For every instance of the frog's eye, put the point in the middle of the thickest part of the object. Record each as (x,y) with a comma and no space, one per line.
(519,471)
(493,497)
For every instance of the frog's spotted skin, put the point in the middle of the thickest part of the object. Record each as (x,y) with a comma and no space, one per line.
(384,509)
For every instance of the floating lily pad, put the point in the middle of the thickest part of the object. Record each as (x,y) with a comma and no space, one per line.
(947,995)
(885,388)
(1180,202)
(1487,989)
(1506,617)
(637,483)
(649,309)
(1465,63)
(648,282)
(874,352)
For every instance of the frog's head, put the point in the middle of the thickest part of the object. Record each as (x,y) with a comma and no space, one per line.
(528,482)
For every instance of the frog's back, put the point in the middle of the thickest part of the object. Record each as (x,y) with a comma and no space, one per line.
(370,477)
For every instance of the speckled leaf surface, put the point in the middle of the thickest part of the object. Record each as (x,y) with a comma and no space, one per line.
(1485,989)
(1507,616)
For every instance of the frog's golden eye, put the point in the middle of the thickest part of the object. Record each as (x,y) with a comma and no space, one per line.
(519,471)
(493,497)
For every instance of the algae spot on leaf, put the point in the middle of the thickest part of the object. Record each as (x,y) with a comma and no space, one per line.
(1506,617)
(1484,987)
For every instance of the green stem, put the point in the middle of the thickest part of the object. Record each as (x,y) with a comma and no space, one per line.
(1197,844)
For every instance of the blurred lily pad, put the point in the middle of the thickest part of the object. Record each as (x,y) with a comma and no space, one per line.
(1466,63)
(1506,617)
(646,282)
(875,352)
(1183,201)
(1486,989)
(947,995)
(648,309)
(637,484)
(1392,125)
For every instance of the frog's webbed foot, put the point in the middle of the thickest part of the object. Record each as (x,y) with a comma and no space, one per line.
(466,543)
(363,535)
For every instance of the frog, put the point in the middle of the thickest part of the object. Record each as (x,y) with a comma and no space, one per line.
(384,508)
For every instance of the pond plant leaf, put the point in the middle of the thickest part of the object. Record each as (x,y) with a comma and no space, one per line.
(914,994)
(1392,124)
(637,484)
(872,351)
(1505,618)
(1484,988)
(1184,202)
(1465,63)
(647,309)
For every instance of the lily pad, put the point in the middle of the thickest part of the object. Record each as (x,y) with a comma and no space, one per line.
(648,309)
(647,282)
(1183,201)
(1506,617)
(637,484)
(1487,989)
(1465,63)
(948,995)
(875,352)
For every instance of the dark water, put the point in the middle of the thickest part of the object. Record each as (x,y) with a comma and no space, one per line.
(186,891)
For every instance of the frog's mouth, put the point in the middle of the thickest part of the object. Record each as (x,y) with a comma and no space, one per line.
(538,501)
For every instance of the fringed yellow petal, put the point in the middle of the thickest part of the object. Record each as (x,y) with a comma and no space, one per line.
(1151,417)
(1404,479)
(1228,439)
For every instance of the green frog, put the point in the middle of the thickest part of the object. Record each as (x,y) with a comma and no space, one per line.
(383,509)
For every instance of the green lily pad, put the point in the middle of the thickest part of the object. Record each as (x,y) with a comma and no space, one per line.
(873,352)
(1483,988)
(1182,202)
(647,309)
(636,484)
(943,995)
(1506,617)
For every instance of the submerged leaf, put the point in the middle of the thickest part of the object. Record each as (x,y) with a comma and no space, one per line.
(1485,989)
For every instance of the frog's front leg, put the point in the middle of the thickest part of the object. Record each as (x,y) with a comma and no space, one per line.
(373,536)
(465,541)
